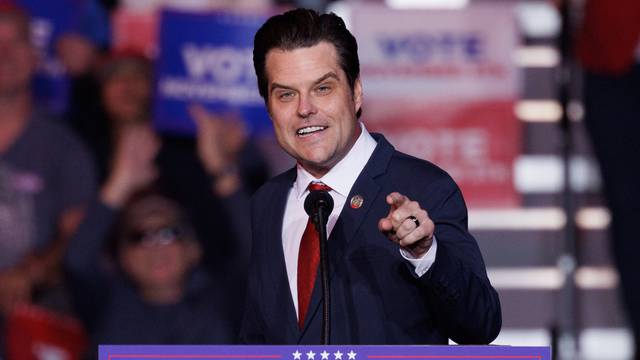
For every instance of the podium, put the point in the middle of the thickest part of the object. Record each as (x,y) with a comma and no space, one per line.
(320,352)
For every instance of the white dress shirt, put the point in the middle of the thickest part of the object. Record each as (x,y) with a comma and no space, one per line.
(340,179)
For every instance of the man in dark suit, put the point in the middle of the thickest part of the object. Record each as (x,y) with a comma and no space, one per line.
(609,49)
(403,267)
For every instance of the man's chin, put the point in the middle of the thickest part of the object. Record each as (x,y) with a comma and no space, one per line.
(316,168)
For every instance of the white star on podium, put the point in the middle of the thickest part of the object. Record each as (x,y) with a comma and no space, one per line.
(311,355)
(325,355)
(337,355)
(352,355)
(296,355)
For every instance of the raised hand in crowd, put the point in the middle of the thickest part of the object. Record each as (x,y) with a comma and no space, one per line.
(219,142)
(15,289)
(133,164)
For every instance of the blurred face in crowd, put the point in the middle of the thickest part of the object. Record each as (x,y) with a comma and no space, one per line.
(156,252)
(126,93)
(76,53)
(312,107)
(17,56)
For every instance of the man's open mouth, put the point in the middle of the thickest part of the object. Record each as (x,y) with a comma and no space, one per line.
(306,131)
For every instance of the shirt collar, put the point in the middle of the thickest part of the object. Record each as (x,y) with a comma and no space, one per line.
(344,174)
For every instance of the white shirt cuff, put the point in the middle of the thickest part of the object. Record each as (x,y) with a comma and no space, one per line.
(423,264)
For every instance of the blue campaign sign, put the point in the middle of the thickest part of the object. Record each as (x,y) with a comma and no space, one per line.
(330,352)
(423,48)
(206,58)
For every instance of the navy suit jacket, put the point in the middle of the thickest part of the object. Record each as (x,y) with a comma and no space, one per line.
(376,296)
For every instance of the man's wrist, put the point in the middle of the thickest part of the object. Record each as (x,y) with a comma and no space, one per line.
(418,249)
(422,264)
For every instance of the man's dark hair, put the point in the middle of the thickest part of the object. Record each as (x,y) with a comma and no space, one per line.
(301,28)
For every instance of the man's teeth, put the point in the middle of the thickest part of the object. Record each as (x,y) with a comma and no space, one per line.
(310,129)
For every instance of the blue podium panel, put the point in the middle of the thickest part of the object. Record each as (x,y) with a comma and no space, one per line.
(331,352)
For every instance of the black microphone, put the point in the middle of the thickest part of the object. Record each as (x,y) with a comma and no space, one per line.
(316,200)
(318,206)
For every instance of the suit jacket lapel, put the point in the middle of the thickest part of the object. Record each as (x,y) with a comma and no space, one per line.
(367,187)
(275,252)
(350,219)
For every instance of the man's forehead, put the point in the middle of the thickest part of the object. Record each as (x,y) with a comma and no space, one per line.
(303,63)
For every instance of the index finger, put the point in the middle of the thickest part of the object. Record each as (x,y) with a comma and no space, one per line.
(396,199)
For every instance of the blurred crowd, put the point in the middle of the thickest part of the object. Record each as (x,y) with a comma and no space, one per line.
(143,237)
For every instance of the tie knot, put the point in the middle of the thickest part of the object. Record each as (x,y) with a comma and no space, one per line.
(317,186)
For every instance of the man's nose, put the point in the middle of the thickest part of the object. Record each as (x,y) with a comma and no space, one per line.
(306,107)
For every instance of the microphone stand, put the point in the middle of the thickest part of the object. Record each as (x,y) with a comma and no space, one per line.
(320,222)
(319,205)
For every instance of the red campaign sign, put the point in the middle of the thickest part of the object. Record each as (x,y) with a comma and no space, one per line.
(475,142)
(34,333)
(441,85)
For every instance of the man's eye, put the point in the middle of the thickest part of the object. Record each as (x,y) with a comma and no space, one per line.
(323,89)
(284,96)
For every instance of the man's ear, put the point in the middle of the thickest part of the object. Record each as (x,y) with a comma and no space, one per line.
(357,94)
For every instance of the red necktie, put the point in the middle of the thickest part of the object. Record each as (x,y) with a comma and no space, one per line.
(308,260)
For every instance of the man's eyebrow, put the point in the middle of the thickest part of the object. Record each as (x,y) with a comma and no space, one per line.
(329,75)
(280,86)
